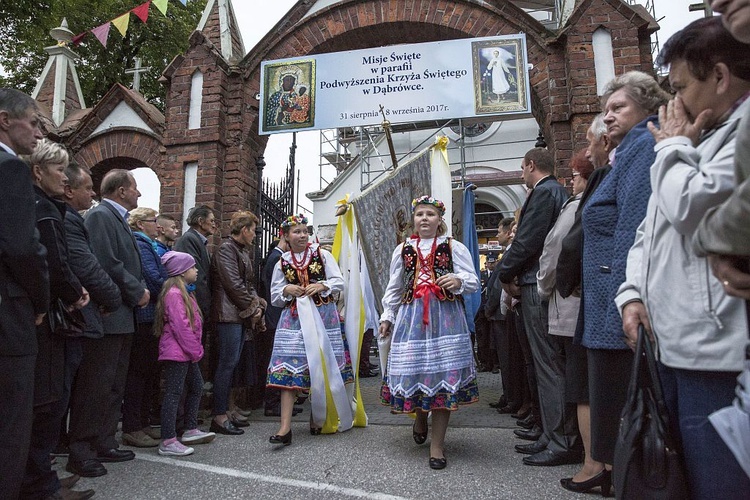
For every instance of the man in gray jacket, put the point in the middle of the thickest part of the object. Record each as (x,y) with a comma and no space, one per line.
(115,248)
(699,329)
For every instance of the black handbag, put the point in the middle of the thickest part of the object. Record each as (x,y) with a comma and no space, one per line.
(64,322)
(646,463)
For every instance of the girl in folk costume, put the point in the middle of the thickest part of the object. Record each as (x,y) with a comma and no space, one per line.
(308,335)
(431,364)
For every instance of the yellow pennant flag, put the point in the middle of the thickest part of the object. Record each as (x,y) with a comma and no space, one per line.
(121,23)
(161,5)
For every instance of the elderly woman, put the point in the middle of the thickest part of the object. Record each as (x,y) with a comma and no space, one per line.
(48,162)
(143,370)
(431,364)
(610,220)
(235,305)
(563,318)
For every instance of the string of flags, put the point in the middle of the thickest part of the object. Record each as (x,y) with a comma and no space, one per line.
(122,22)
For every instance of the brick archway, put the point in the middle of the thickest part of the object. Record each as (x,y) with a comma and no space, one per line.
(120,148)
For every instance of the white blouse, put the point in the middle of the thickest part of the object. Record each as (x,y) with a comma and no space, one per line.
(334,280)
(463,269)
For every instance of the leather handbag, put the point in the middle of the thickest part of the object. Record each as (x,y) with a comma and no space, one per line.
(64,322)
(646,462)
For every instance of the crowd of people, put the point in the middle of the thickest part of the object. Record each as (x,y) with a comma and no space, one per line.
(98,330)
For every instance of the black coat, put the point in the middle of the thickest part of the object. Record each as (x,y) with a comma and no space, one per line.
(273,313)
(104,294)
(191,243)
(64,285)
(24,280)
(492,309)
(538,215)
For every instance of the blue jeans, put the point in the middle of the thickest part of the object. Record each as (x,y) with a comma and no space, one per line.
(691,396)
(231,337)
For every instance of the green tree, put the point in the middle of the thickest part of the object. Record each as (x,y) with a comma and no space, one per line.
(24,33)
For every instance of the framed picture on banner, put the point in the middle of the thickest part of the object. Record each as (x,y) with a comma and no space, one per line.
(500,76)
(289,95)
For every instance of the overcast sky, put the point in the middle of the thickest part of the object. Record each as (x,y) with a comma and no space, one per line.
(254,24)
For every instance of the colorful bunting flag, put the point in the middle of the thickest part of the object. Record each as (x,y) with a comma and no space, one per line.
(142,11)
(102,33)
(161,5)
(122,22)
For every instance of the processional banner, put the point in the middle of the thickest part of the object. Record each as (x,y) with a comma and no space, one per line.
(474,77)
(383,214)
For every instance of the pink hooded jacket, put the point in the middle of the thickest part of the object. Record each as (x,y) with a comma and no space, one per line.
(180,341)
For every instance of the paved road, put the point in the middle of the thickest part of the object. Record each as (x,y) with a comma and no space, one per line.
(379,461)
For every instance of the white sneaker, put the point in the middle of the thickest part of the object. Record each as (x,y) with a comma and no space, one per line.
(175,449)
(197,436)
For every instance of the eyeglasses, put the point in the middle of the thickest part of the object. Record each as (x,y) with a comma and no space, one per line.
(575,174)
(148,220)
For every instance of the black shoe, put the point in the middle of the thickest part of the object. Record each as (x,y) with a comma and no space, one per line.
(531,448)
(419,437)
(286,439)
(227,428)
(507,409)
(315,431)
(528,422)
(521,415)
(438,463)
(240,423)
(68,494)
(602,480)
(495,371)
(549,458)
(86,468)
(530,434)
(368,374)
(60,450)
(114,455)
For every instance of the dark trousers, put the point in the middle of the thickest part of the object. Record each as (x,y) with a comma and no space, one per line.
(364,354)
(143,371)
(691,396)
(179,375)
(96,400)
(531,394)
(39,480)
(231,339)
(559,420)
(271,395)
(16,410)
(483,339)
(73,358)
(510,361)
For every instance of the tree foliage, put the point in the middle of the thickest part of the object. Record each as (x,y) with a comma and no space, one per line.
(24,33)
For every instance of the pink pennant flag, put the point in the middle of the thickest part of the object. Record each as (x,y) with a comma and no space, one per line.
(102,33)
(79,38)
(142,11)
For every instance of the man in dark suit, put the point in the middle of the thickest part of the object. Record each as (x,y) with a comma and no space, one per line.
(24,286)
(558,442)
(90,394)
(115,248)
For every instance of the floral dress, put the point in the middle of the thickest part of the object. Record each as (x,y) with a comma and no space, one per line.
(431,363)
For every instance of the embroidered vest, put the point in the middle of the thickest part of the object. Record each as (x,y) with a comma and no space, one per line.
(442,265)
(314,272)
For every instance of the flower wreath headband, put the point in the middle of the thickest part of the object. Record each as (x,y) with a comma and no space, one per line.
(428,200)
(293,220)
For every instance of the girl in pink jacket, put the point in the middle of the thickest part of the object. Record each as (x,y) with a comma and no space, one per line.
(179,326)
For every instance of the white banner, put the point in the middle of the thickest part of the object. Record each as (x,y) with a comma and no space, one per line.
(464,78)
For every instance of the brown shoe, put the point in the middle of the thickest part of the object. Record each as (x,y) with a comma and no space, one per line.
(69,481)
(139,439)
